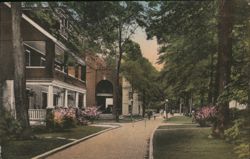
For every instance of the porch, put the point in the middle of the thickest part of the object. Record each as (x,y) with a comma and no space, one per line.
(50,94)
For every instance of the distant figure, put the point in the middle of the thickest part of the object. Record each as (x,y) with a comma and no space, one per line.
(154,115)
(193,116)
(149,115)
(164,114)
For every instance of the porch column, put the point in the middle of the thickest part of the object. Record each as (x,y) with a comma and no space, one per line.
(77,99)
(50,102)
(84,100)
(66,98)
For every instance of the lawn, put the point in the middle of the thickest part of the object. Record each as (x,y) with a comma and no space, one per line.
(24,149)
(74,133)
(180,120)
(188,142)
(29,148)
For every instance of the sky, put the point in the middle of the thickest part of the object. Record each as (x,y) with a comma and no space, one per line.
(148,47)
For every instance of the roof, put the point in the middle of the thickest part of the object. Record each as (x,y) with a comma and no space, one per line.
(49,36)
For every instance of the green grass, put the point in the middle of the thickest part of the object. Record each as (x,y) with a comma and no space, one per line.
(126,119)
(190,144)
(24,149)
(74,133)
(178,126)
(180,120)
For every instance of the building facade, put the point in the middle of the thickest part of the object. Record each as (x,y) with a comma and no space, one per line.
(50,79)
(100,83)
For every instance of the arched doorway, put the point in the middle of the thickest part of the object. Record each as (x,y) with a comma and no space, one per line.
(104,96)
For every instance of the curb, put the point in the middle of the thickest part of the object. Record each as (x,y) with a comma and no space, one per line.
(48,153)
(151,146)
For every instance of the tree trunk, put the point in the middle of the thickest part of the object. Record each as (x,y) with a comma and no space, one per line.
(117,81)
(224,64)
(19,65)
(211,81)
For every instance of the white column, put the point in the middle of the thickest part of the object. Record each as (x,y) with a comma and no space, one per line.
(180,108)
(66,98)
(77,99)
(50,101)
(84,100)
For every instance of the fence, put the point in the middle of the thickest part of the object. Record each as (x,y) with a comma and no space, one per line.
(37,114)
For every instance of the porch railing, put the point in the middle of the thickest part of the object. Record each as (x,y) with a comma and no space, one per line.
(37,114)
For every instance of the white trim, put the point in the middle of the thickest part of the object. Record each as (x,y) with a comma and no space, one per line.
(35,66)
(104,94)
(66,98)
(40,52)
(56,84)
(60,71)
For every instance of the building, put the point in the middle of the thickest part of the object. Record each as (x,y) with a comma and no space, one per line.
(55,76)
(100,83)
(131,103)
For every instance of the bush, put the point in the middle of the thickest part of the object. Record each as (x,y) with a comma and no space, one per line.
(239,135)
(205,114)
(9,126)
(61,118)
(233,133)
(91,113)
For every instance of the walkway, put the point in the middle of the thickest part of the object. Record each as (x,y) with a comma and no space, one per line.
(127,142)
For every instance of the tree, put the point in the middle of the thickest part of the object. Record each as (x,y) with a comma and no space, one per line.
(133,69)
(186,32)
(19,65)
(225,27)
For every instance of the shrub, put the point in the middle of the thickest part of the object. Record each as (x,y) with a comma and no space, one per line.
(9,126)
(205,114)
(239,135)
(233,133)
(61,118)
(91,113)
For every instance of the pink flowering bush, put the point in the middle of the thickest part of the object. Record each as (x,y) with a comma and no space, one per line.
(91,113)
(64,117)
(205,114)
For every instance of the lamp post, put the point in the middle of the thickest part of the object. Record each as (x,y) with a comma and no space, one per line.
(166,114)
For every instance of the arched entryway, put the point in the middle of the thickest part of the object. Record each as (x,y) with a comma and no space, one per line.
(104,96)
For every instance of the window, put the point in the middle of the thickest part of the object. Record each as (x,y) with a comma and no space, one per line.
(64,25)
(42,61)
(80,102)
(130,95)
(130,109)
(83,73)
(44,100)
(55,99)
(27,57)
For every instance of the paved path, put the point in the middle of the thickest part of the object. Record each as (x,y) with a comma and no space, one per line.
(126,142)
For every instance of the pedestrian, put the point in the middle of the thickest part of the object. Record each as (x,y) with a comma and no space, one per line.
(154,115)
(149,115)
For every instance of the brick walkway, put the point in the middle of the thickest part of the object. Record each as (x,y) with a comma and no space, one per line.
(127,142)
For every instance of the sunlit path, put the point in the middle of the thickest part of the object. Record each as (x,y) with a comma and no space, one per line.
(127,142)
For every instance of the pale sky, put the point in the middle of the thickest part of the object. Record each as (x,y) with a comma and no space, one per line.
(148,47)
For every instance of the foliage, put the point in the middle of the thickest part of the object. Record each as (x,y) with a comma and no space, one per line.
(243,150)
(206,114)
(9,126)
(239,135)
(91,113)
(234,132)
(62,118)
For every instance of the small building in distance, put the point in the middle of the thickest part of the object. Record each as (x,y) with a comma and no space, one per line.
(131,103)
